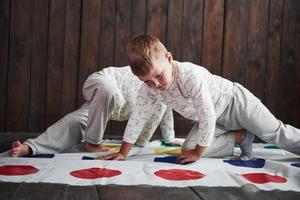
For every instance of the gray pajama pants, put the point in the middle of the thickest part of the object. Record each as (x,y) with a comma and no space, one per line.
(247,112)
(65,133)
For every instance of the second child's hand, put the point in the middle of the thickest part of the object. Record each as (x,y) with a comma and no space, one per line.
(188,156)
(114,156)
(121,155)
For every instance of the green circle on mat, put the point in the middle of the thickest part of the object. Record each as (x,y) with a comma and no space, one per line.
(271,147)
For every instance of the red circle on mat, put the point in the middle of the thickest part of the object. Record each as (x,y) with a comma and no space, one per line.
(17,170)
(95,172)
(263,178)
(178,174)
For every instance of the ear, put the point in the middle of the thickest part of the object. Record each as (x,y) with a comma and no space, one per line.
(169,57)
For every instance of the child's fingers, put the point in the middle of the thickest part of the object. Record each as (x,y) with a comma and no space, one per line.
(106,157)
(184,160)
(180,159)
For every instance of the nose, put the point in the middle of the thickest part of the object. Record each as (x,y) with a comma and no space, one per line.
(156,83)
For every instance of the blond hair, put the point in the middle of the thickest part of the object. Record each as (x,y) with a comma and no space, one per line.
(142,51)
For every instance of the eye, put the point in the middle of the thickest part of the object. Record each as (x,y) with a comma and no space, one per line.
(158,76)
(149,83)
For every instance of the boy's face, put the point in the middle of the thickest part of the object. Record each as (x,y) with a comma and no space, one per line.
(160,76)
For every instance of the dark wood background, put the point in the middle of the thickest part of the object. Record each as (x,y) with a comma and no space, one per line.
(49,47)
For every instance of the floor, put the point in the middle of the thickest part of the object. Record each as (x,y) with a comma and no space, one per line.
(62,191)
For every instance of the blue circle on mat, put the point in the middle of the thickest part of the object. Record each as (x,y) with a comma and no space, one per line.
(255,163)
(296,164)
(271,147)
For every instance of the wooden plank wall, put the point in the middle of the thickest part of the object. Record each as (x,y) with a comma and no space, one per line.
(49,47)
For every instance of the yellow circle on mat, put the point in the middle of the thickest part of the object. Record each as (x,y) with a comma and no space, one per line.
(174,152)
(112,147)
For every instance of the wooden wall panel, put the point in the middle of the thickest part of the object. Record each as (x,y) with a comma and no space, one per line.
(122,31)
(19,65)
(192,29)
(50,47)
(138,18)
(89,43)
(157,19)
(107,33)
(71,56)
(55,60)
(174,27)
(212,45)
(4,54)
(257,47)
(273,57)
(36,120)
(289,80)
(235,40)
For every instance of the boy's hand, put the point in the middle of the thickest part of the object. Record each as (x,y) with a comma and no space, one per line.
(114,156)
(190,155)
(122,154)
(187,156)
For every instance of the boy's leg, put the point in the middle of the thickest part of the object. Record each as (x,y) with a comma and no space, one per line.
(246,146)
(251,114)
(222,144)
(66,132)
(106,98)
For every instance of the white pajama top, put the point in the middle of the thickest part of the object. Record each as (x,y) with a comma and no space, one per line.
(194,93)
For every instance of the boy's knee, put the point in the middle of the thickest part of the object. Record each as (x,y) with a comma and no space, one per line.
(72,120)
(107,92)
(99,88)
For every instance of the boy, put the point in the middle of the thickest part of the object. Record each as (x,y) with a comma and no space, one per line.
(109,94)
(198,95)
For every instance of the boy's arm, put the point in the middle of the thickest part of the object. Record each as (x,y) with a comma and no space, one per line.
(163,117)
(196,86)
(142,112)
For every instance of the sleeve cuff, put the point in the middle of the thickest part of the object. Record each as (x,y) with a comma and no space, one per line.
(128,140)
(168,138)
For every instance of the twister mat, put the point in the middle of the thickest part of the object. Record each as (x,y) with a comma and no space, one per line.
(154,164)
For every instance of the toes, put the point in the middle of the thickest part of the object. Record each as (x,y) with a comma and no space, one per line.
(12,153)
(16,144)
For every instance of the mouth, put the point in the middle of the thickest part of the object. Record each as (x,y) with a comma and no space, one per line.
(163,87)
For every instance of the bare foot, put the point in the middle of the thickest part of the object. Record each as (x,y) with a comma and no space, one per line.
(18,149)
(94,147)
